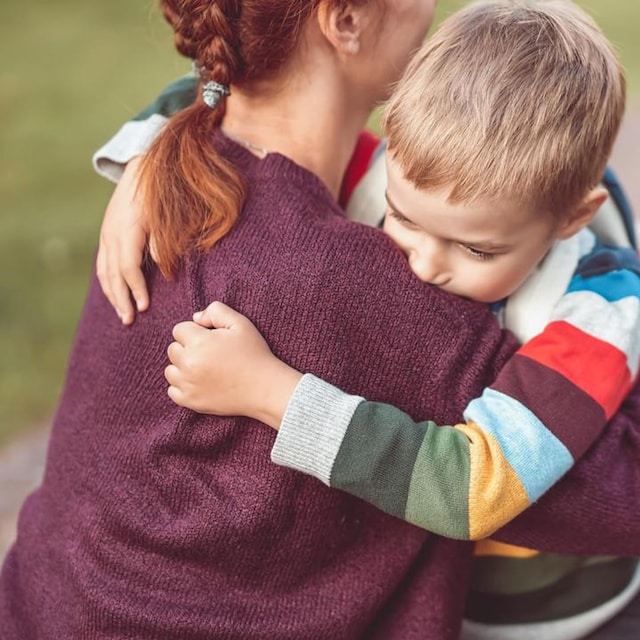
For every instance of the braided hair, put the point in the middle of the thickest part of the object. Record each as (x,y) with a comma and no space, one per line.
(192,195)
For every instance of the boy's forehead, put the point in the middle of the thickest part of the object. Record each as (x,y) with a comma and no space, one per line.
(400,188)
(404,196)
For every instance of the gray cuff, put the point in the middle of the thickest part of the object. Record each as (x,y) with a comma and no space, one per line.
(133,139)
(313,427)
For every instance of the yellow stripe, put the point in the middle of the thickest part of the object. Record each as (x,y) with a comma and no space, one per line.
(496,493)
(489,547)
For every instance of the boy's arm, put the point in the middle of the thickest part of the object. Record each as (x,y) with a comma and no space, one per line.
(521,436)
(548,405)
(123,234)
(123,240)
(593,510)
(135,137)
(595,505)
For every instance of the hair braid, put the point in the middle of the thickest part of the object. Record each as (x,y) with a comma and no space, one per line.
(192,195)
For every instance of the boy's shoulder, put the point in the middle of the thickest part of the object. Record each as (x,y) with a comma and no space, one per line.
(180,94)
(603,258)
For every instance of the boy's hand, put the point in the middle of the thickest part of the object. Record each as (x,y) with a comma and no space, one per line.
(123,238)
(221,364)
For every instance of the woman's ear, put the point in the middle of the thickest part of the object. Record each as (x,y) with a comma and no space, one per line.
(342,25)
(583,213)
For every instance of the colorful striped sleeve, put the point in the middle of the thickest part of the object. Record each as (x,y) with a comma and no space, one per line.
(547,406)
(137,135)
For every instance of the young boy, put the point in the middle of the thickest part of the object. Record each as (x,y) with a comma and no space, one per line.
(497,133)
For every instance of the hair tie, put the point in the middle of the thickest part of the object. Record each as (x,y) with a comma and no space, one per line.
(213,92)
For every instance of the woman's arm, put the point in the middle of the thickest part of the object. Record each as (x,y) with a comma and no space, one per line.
(548,405)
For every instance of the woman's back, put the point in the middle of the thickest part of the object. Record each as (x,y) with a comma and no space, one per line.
(156,522)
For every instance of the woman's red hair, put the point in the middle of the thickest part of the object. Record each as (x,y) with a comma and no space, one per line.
(193,196)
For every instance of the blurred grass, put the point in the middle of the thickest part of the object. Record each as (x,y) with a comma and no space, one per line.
(72,71)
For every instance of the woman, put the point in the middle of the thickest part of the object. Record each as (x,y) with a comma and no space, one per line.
(153,522)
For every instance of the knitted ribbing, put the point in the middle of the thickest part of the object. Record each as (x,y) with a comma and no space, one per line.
(156,522)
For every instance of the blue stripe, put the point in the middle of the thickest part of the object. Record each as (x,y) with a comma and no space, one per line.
(612,286)
(622,203)
(534,453)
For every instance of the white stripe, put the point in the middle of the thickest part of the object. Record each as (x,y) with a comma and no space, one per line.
(571,628)
(367,203)
(133,139)
(617,323)
(314,427)
(528,309)
(608,225)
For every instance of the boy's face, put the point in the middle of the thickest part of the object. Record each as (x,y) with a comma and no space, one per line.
(483,251)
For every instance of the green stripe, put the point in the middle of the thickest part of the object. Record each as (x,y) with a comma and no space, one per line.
(177,96)
(438,497)
(583,589)
(377,456)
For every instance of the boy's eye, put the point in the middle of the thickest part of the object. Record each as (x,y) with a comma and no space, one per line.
(476,253)
(401,219)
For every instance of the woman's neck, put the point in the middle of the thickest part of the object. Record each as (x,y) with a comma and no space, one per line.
(314,124)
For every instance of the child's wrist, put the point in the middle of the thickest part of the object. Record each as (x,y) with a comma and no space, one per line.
(282,381)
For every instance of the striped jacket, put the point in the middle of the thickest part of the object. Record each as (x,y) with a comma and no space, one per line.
(547,406)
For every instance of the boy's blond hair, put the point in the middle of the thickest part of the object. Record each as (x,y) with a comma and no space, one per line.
(510,99)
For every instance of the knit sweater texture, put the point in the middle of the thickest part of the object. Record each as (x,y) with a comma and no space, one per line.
(549,404)
(154,522)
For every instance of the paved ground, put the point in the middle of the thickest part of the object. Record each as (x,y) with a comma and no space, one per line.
(22,463)
(21,467)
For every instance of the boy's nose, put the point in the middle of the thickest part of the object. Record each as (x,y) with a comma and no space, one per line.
(429,264)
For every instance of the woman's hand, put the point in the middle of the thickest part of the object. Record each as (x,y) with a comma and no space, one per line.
(123,238)
(221,364)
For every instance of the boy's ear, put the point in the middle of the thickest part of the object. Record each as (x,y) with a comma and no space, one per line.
(342,25)
(583,213)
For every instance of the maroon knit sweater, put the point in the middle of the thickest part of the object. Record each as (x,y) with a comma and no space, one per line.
(158,523)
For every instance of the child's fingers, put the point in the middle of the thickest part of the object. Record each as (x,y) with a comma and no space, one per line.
(131,261)
(219,316)
(174,352)
(176,395)
(172,375)
(112,283)
(184,332)
(120,291)
(101,272)
(152,248)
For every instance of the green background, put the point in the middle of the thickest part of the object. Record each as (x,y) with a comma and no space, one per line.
(70,73)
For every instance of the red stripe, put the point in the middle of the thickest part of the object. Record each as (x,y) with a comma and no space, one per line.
(593,365)
(358,165)
(572,415)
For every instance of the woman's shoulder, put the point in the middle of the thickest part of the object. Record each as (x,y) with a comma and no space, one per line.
(301,226)
(294,229)
(292,205)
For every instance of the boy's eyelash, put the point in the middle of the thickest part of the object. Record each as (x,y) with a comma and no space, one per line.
(399,217)
(476,253)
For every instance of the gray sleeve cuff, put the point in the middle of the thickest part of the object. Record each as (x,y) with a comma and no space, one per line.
(133,139)
(313,427)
